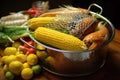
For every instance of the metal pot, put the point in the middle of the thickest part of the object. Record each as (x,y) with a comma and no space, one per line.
(77,63)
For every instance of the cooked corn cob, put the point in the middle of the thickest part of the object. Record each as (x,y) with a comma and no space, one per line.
(39,22)
(58,39)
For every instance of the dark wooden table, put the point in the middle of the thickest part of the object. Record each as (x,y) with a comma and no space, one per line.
(110,71)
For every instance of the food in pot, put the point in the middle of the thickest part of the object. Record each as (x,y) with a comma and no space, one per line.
(39,22)
(77,22)
(58,39)
(97,38)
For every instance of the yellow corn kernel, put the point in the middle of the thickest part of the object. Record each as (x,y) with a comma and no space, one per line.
(58,39)
(39,22)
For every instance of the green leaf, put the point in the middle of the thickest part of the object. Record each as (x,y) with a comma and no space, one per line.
(3,38)
(10,33)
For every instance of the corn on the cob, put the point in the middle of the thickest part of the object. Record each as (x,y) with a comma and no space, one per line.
(39,22)
(58,39)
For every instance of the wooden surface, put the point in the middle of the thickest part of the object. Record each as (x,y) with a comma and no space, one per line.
(110,71)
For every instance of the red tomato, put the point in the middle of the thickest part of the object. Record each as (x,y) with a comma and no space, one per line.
(30,51)
(29,42)
(34,11)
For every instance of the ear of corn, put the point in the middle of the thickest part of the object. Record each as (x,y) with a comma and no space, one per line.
(58,39)
(39,22)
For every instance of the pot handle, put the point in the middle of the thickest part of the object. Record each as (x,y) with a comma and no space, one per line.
(96,5)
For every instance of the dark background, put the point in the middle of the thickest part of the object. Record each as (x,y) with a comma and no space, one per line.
(110,7)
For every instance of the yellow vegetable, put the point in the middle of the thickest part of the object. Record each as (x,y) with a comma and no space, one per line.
(58,39)
(39,22)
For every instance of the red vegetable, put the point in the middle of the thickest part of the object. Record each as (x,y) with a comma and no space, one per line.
(29,42)
(30,51)
(34,11)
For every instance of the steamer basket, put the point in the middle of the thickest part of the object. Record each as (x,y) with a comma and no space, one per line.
(77,63)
